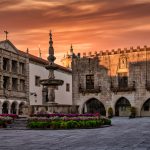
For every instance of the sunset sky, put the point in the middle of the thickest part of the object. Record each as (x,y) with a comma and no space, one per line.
(90,25)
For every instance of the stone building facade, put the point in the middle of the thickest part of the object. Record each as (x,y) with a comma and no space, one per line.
(14,79)
(67,59)
(20,90)
(118,79)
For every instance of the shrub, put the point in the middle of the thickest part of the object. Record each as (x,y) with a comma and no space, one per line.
(110,112)
(133,112)
(72,124)
(63,125)
(69,121)
(55,124)
(107,122)
(39,124)
(3,124)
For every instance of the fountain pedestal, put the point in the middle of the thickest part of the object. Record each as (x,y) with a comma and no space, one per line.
(51,83)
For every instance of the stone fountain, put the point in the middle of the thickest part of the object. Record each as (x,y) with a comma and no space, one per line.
(51,83)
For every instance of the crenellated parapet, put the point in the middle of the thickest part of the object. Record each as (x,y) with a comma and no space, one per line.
(117,51)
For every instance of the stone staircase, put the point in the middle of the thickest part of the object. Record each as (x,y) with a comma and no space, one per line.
(18,124)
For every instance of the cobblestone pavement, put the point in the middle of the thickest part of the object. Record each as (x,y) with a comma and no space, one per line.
(126,134)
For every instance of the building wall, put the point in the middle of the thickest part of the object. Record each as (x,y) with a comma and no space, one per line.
(106,68)
(61,95)
(35,95)
(14,93)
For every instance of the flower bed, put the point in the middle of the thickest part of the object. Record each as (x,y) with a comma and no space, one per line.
(4,121)
(67,121)
(14,116)
(64,115)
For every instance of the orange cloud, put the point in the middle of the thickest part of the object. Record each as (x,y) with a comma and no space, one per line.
(89,25)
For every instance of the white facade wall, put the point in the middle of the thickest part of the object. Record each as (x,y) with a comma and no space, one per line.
(61,95)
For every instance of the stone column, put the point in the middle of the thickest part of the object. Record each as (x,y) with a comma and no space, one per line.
(9,108)
(10,65)
(1,108)
(18,67)
(18,84)
(17,109)
(85,108)
(10,83)
(1,82)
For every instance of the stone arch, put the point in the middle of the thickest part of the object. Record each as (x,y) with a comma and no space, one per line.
(93,105)
(5,107)
(14,106)
(122,107)
(145,109)
(21,108)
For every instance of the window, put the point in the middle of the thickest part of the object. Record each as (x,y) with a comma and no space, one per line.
(6,64)
(67,87)
(37,80)
(5,82)
(122,80)
(22,85)
(14,84)
(89,81)
(14,66)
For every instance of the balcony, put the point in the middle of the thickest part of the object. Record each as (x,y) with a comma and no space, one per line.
(89,91)
(123,89)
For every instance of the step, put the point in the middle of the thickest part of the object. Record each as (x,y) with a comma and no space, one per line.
(18,124)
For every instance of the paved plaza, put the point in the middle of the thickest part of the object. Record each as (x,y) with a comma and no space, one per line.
(126,134)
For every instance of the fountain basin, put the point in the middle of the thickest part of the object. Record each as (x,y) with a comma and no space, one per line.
(51,67)
(51,82)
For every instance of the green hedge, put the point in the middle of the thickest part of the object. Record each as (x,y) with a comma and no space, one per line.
(3,124)
(69,124)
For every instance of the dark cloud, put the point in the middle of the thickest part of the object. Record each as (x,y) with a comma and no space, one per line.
(83,22)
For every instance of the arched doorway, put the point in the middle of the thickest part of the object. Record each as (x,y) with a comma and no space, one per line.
(14,108)
(21,107)
(5,107)
(94,106)
(145,111)
(122,107)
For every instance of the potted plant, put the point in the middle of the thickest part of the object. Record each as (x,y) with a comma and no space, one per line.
(110,112)
(133,112)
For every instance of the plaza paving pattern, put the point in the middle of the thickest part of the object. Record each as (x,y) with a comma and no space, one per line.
(126,134)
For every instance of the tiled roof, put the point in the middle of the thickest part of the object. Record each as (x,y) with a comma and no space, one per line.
(45,62)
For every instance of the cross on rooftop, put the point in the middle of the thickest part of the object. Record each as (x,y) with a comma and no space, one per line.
(6,32)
